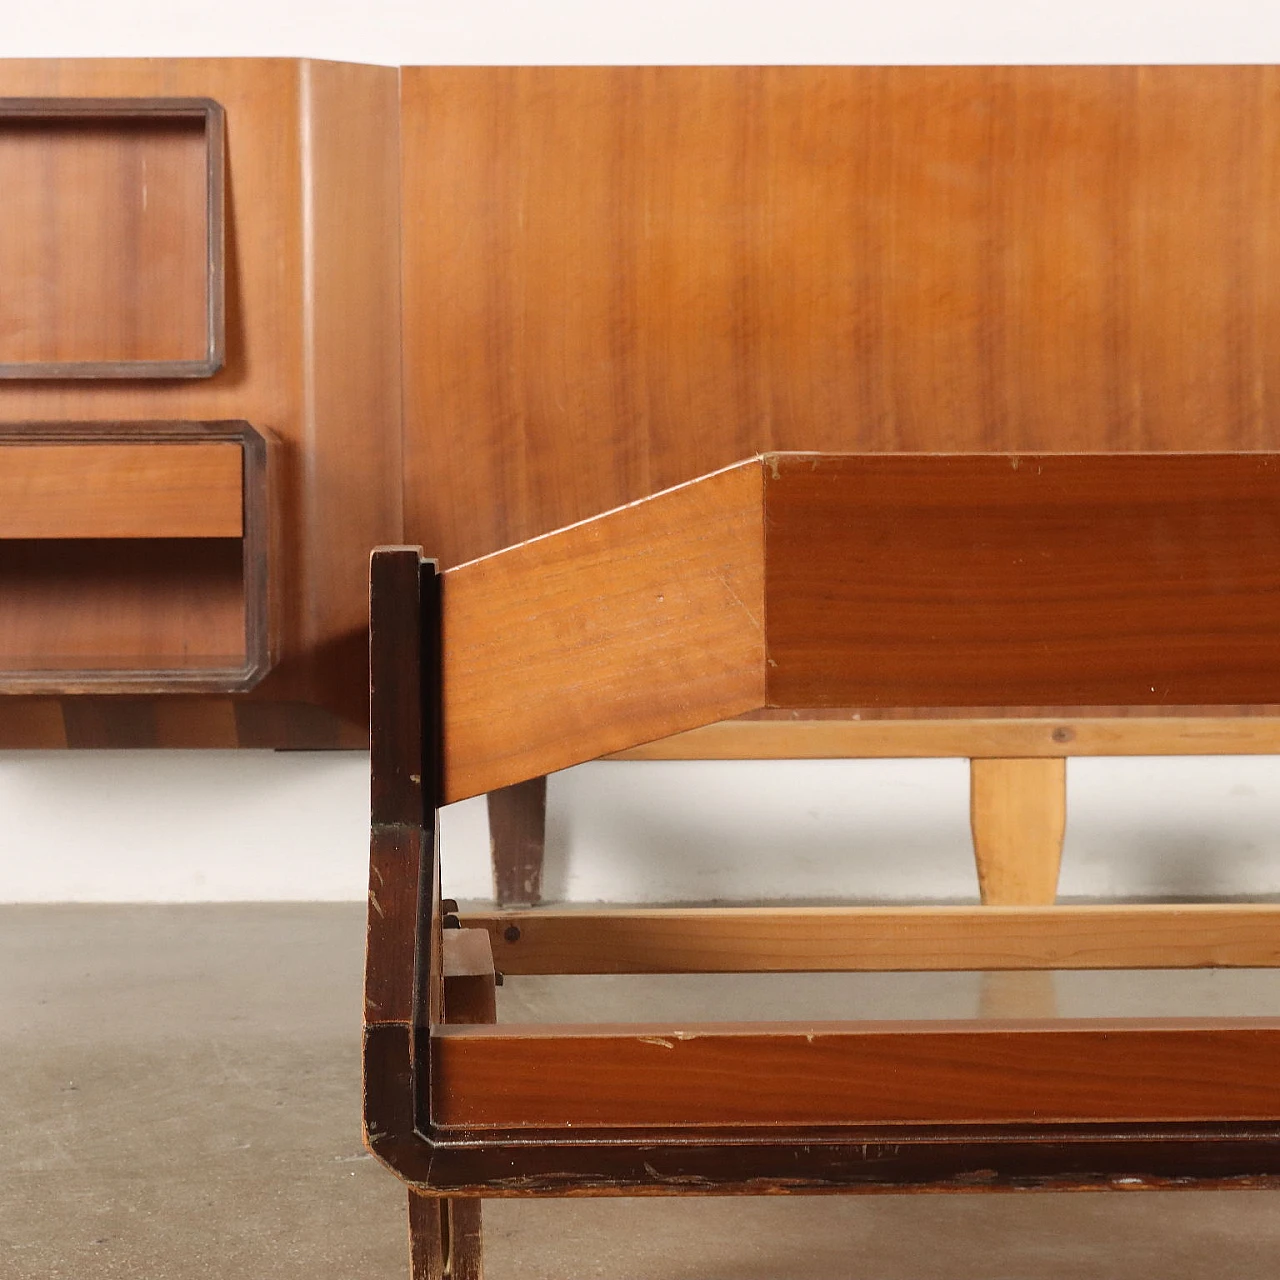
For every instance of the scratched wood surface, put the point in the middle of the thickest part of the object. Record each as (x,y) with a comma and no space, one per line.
(1066,1071)
(617,279)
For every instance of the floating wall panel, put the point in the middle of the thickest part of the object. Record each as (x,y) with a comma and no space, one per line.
(617,279)
(309,183)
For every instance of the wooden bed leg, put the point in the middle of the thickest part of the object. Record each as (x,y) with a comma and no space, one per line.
(466,1257)
(445,1234)
(444,1238)
(517,841)
(1018,814)
(428,1236)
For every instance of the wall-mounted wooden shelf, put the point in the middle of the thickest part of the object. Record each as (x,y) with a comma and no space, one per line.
(114,294)
(111,238)
(133,557)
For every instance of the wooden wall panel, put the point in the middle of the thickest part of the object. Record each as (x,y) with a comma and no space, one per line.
(312,355)
(616,279)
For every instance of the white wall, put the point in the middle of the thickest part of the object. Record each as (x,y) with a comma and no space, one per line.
(658,31)
(190,826)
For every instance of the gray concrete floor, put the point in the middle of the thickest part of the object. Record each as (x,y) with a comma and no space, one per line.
(179,1098)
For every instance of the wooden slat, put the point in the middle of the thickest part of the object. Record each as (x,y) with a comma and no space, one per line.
(640,623)
(835,739)
(1018,815)
(1069,580)
(121,491)
(1120,1071)
(811,939)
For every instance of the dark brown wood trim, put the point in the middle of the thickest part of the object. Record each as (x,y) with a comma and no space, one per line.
(1043,1158)
(214,117)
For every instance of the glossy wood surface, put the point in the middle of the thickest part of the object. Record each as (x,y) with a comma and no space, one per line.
(634,625)
(619,278)
(111,246)
(914,1073)
(1023,581)
(121,491)
(881,939)
(312,355)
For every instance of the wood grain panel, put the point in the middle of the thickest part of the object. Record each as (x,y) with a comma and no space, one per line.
(349,479)
(312,354)
(617,279)
(32,722)
(121,491)
(1122,1071)
(121,603)
(881,939)
(1023,581)
(624,628)
(837,738)
(105,243)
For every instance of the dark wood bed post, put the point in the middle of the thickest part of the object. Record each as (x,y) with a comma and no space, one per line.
(403,993)
(517,841)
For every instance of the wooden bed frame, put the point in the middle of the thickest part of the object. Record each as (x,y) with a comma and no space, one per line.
(666,269)
(988,583)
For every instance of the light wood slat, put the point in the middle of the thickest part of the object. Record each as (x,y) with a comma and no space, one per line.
(1057,1071)
(815,939)
(833,739)
(1018,815)
(121,491)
